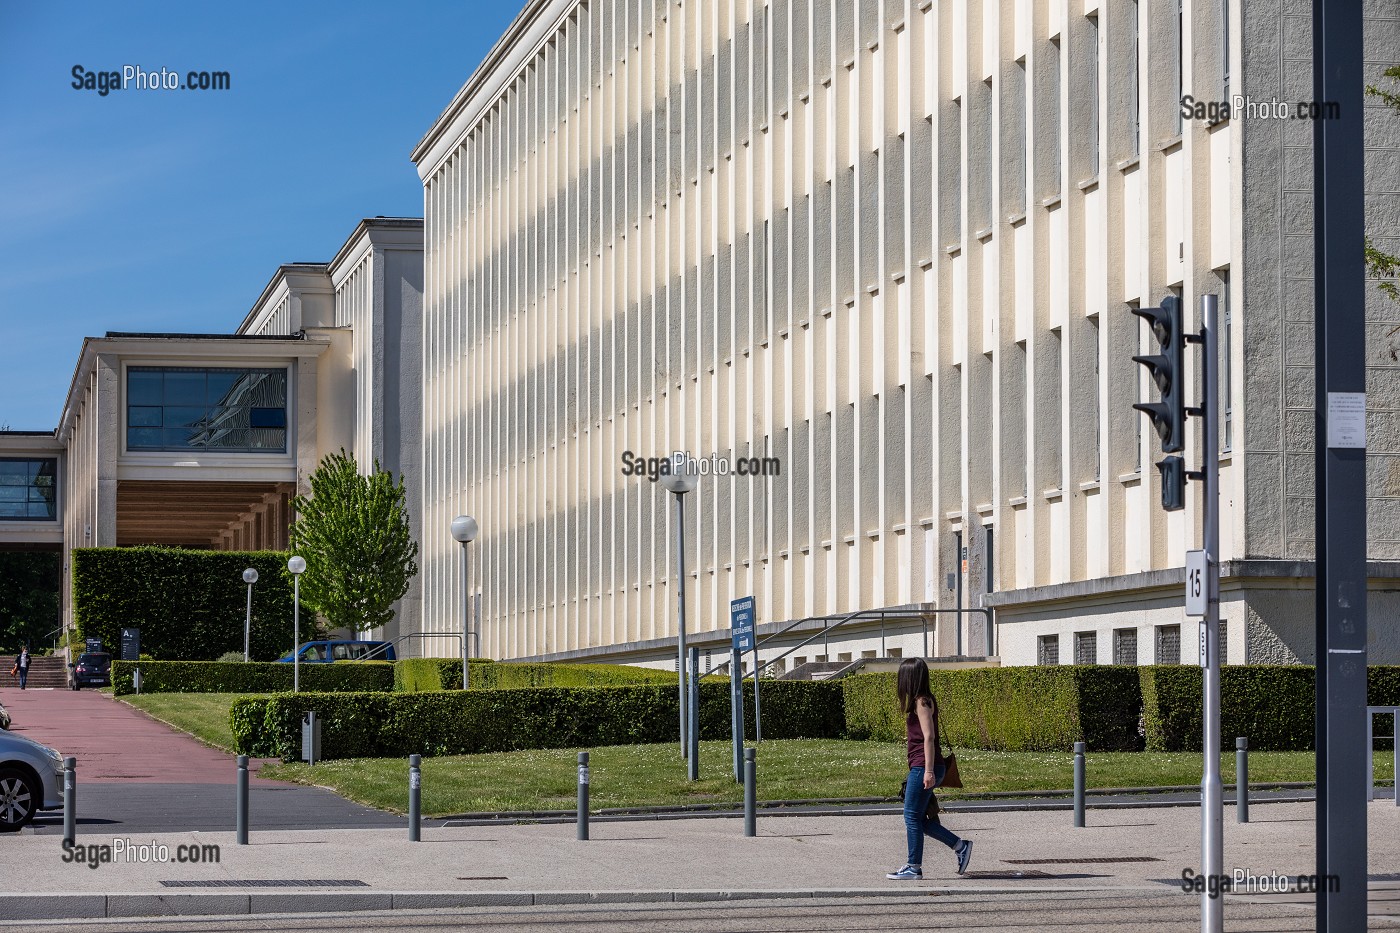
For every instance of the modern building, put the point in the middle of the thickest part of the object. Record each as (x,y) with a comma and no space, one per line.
(202,440)
(895,245)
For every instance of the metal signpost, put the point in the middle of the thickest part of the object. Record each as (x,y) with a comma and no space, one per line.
(741,622)
(1339,446)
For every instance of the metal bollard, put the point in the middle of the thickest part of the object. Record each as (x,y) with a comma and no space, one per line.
(750,792)
(1242,780)
(70,802)
(583,795)
(1078,783)
(415,798)
(240,819)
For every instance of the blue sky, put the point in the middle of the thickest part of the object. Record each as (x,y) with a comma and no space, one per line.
(170,210)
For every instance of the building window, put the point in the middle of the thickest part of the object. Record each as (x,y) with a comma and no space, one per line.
(1093,132)
(1227,433)
(28,490)
(1225,50)
(1086,648)
(1048,649)
(1134,109)
(1125,646)
(184,408)
(1224,643)
(1169,644)
(1180,65)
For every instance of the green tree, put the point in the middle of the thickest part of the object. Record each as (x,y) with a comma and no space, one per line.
(29,607)
(1380,264)
(353,533)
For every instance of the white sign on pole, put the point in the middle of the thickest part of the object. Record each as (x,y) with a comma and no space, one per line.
(1197,590)
(1201,643)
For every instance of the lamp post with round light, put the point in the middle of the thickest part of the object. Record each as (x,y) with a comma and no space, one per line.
(678,484)
(464,529)
(297,566)
(250,576)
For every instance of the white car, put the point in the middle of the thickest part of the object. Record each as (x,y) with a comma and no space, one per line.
(31,778)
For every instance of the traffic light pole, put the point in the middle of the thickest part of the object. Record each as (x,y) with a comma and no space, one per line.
(1212,788)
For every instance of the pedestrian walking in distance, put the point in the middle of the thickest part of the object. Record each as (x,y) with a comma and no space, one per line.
(22,663)
(920,709)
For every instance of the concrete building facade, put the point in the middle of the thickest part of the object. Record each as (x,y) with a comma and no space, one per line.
(895,245)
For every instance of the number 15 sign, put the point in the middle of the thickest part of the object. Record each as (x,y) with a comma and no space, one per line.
(1196,585)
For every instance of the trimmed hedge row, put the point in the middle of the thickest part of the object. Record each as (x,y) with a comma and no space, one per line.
(252,677)
(190,605)
(1273,706)
(386,725)
(1009,708)
(413,675)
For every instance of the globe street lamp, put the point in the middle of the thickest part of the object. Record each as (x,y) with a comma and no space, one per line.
(297,566)
(250,576)
(678,484)
(464,529)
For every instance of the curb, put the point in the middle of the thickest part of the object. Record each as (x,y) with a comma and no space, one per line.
(20,907)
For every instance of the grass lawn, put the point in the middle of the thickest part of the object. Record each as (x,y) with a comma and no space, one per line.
(641,775)
(654,775)
(202,715)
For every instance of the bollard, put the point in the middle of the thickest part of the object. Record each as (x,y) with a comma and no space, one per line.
(415,798)
(1078,783)
(70,802)
(750,792)
(583,795)
(240,819)
(1242,780)
(136,680)
(692,767)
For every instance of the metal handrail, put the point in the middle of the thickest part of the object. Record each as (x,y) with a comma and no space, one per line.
(395,643)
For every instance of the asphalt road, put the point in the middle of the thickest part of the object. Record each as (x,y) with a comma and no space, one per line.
(1167,912)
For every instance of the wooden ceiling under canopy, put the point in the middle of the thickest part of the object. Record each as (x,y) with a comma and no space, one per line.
(193,513)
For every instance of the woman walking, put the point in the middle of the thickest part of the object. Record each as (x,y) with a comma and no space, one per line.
(922,739)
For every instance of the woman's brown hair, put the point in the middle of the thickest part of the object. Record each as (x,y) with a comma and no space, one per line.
(912,683)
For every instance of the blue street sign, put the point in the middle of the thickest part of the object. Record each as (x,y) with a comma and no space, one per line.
(741,623)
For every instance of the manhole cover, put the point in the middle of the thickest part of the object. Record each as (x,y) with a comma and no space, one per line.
(268,883)
(1104,860)
(1013,875)
(484,878)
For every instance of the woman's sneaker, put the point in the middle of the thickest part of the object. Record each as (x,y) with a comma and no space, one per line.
(907,873)
(964,854)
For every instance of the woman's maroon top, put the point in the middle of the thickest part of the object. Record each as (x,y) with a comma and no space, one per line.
(914,735)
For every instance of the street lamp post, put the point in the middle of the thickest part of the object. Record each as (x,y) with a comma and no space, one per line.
(678,484)
(464,529)
(250,576)
(297,566)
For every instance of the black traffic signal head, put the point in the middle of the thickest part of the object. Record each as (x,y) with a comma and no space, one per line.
(1173,470)
(1166,369)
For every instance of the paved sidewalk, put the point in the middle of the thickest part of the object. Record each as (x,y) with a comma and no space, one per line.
(1142,850)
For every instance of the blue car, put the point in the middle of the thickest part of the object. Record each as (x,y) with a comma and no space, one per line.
(326,652)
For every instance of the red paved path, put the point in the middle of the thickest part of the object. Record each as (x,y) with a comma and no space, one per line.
(115,742)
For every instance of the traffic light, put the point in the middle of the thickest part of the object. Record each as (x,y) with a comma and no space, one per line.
(1168,415)
(1173,470)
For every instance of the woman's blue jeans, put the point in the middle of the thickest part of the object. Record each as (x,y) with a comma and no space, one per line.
(916,825)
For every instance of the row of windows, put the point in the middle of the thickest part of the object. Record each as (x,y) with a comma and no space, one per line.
(28,489)
(1125,646)
(187,407)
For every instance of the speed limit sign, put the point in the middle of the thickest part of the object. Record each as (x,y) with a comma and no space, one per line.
(1197,589)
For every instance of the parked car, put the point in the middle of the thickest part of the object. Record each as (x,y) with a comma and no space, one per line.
(31,776)
(4,717)
(91,670)
(325,652)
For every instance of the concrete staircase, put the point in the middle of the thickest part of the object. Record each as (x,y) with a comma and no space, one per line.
(43,672)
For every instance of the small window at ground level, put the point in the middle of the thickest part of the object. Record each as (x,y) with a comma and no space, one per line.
(1047,649)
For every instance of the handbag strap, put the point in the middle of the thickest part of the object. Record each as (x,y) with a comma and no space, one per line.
(938,732)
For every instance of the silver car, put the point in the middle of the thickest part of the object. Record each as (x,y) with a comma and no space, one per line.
(31,778)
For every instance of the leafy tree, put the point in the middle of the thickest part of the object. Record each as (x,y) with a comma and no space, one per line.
(29,607)
(353,533)
(1380,264)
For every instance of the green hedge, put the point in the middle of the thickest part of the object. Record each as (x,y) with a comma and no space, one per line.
(190,605)
(1271,705)
(381,725)
(413,675)
(253,677)
(1010,708)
